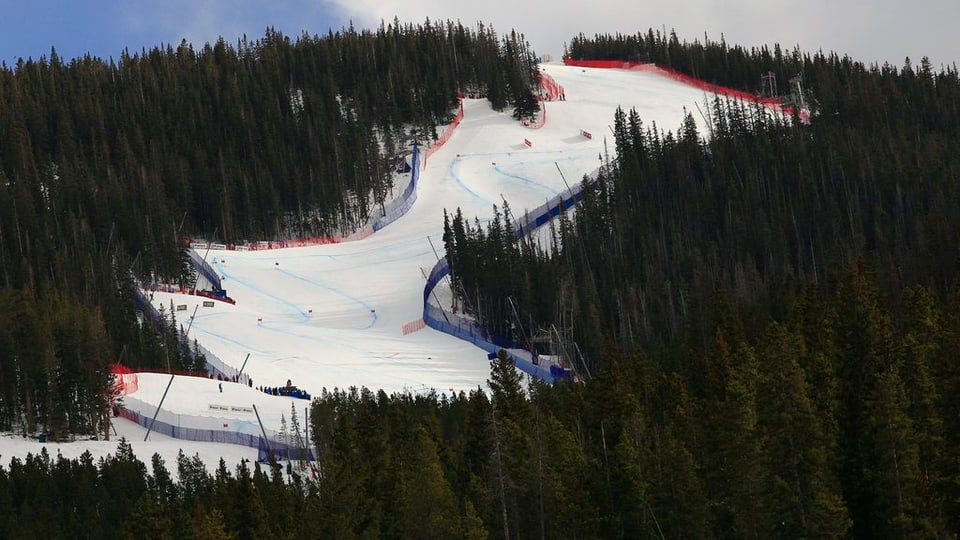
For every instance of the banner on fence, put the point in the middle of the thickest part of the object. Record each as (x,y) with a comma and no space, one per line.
(230,408)
(210,429)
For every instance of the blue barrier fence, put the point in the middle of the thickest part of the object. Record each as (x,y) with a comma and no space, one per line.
(203,268)
(140,413)
(215,366)
(146,307)
(541,215)
(396,208)
(468,329)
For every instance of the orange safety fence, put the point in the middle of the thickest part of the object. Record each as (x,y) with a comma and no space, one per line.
(177,289)
(264,244)
(125,380)
(685,79)
(539,121)
(181,372)
(366,231)
(552,90)
(445,137)
(413,326)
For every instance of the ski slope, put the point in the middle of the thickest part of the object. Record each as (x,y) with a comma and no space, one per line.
(331,316)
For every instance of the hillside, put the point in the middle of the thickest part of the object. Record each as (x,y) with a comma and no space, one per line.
(109,168)
(331,316)
(764,305)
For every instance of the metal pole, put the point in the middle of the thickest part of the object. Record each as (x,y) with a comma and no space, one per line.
(466,300)
(154,419)
(582,359)
(516,317)
(266,441)
(190,324)
(562,177)
(435,254)
(197,281)
(244,365)
(433,291)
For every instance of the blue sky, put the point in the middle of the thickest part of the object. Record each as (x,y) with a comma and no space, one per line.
(28,28)
(867,30)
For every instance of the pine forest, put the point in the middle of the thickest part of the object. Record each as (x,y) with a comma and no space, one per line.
(767,308)
(108,168)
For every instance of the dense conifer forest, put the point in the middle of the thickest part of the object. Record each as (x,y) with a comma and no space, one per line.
(767,312)
(768,307)
(107,168)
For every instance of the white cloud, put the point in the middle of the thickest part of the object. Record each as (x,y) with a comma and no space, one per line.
(868,31)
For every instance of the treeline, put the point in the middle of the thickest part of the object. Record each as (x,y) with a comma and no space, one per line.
(494,272)
(838,421)
(762,275)
(824,425)
(403,466)
(118,497)
(107,167)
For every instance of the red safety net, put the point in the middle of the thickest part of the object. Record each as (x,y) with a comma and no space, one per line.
(413,326)
(180,372)
(183,290)
(551,89)
(268,244)
(124,380)
(445,137)
(366,231)
(538,121)
(685,79)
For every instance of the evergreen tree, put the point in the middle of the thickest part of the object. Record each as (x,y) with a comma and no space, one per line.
(425,504)
(805,494)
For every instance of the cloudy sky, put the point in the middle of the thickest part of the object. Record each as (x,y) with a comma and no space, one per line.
(870,31)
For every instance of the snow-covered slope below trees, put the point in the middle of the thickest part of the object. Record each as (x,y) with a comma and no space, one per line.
(331,315)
